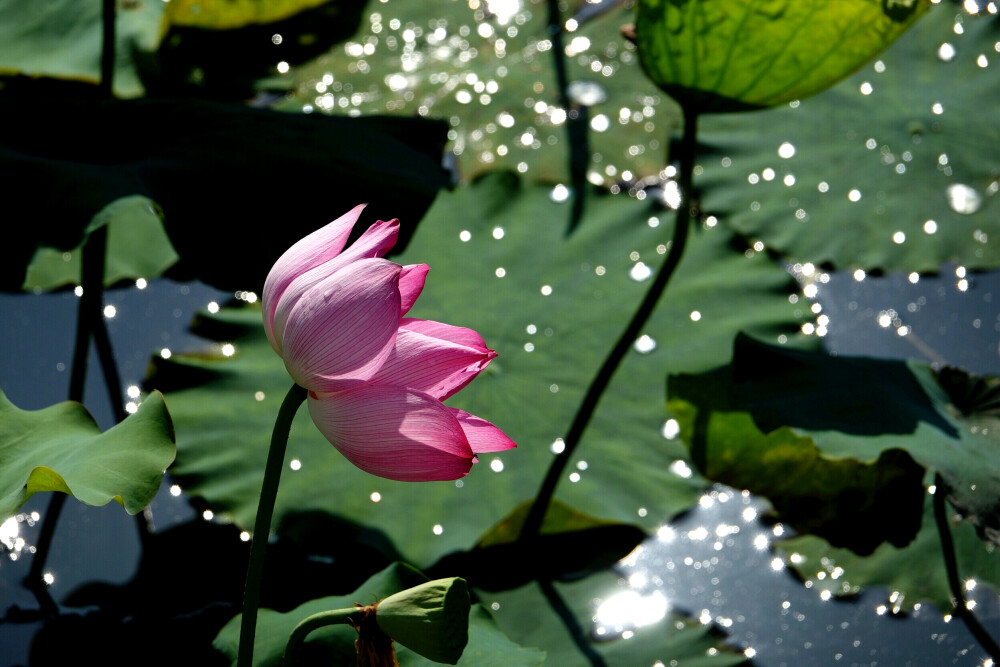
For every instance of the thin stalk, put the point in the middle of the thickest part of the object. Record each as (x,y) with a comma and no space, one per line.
(558,53)
(107,49)
(92,281)
(585,411)
(565,614)
(262,524)
(576,124)
(954,580)
(92,278)
(314,622)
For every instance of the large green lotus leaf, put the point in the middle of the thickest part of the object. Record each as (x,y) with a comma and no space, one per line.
(62,38)
(61,448)
(603,606)
(916,571)
(851,177)
(558,307)
(493,76)
(833,440)
(334,645)
(138,247)
(229,205)
(731,55)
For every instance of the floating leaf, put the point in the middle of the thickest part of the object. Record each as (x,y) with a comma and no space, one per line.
(61,448)
(893,169)
(226,201)
(224,15)
(731,55)
(570,544)
(62,38)
(138,247)
(491,71)
(558,307)
(601,607)
(334,645)
(917,571)
(833,441)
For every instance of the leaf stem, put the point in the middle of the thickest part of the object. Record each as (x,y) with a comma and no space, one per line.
(262,524)
(576,115)
(92,281)
(107,49)
(954,580)
(685,214)
(565,614)
(314,622)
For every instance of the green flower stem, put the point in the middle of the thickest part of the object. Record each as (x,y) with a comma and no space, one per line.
(954,580)
(314,622)
(685,214)
(262,524)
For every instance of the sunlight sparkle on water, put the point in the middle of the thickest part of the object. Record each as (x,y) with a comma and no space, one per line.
(9,530)
(670,430)
(629,609)
(963,199)
(644,344)
(640,272)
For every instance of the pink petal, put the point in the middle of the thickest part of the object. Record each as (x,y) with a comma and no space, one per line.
(431,365)
(483,436)
(449,332)
(411,284)
(307,253)
(375,242)
(341,330)
(394,433)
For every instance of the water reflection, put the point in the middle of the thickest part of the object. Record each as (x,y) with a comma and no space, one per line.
(716,565)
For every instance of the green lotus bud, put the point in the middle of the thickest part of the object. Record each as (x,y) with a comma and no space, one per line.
(431,619)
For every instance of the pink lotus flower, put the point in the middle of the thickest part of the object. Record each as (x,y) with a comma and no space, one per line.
(376,379)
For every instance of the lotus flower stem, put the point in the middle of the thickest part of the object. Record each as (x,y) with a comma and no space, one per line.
(262,524)
(954,580)
(314,622)
(685,214)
